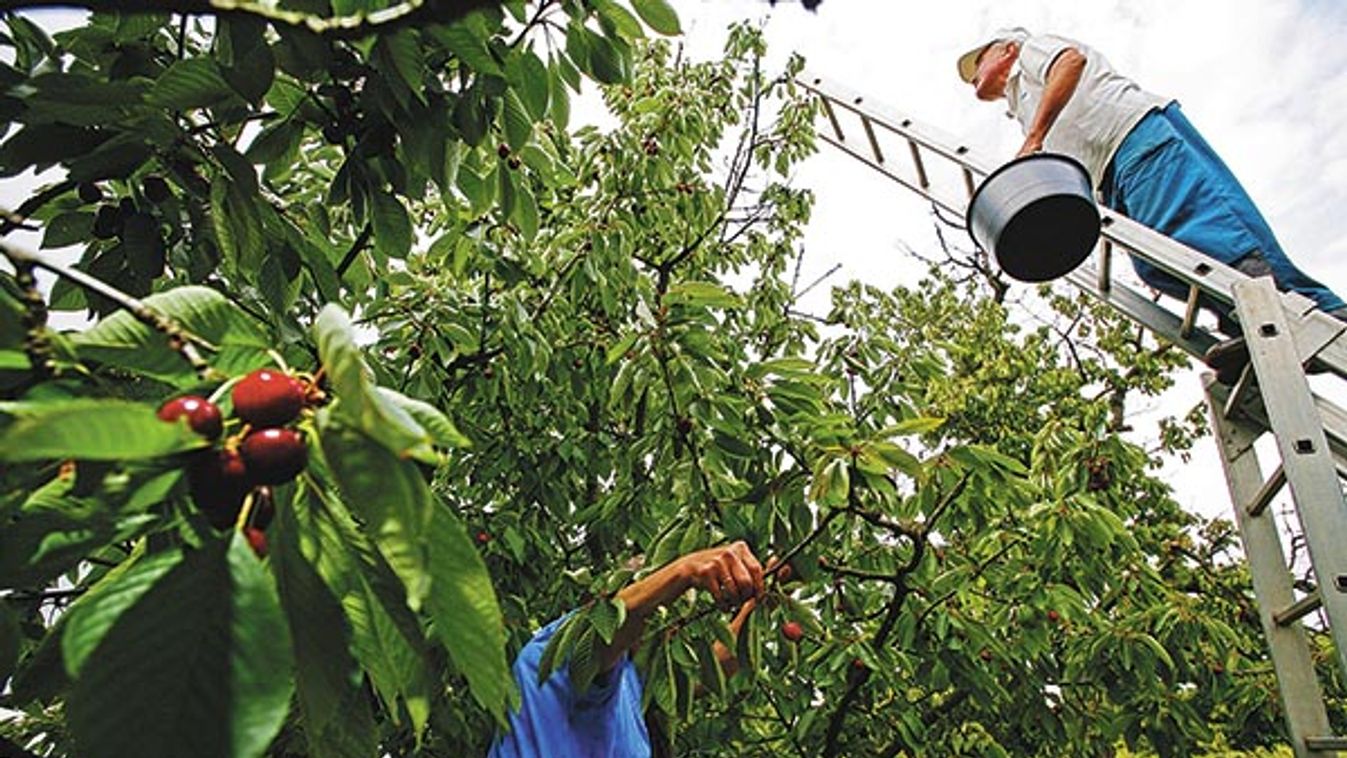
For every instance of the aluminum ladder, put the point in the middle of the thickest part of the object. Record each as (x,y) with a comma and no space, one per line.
(1284,334)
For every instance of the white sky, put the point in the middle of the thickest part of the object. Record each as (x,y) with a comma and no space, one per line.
(1264,80)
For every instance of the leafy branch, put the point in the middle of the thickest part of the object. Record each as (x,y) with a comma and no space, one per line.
(353,26)
(179,339)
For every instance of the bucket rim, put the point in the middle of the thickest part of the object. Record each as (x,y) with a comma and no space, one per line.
(977,193)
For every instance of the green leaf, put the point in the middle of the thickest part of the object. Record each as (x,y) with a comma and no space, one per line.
(200,664)
(247,61)
(403,49)
(526,212)
(441,429)
(385,637)
(392,226)
(517,122)
(389,498)
(606,60)
(359,404)
(336,712)
(621,19)
(274,142)
(90,618)
(121,340)
(659,15)
(618,350)
(529,80)
(467,46)
(67,229)
(90,429)
(467,618)
(190,83)
(706,294)
(914,425)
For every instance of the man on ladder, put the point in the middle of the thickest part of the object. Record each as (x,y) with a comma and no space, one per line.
(1145,160)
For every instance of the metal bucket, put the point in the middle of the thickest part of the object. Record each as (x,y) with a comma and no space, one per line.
(1036,215)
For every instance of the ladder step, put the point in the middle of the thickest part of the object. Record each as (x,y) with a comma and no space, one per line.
(1268,491)
(1297,610)
(1332,742)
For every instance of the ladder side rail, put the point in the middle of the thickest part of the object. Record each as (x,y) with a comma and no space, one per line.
(952,205)
(897,122)
(1302,697)
(1306,457)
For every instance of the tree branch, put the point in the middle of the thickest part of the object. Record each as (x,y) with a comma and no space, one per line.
(354,26)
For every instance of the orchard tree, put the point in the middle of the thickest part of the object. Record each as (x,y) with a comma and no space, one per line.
(392,366)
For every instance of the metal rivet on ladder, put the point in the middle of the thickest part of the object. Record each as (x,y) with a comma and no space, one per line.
(818,81)
(1268,330)
(960,149)
(1202,269)
(1106,221)
(907,122)
(1340,581)
(858,100)
(1305,447)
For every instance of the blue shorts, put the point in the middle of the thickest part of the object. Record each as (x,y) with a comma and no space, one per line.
(1167,177)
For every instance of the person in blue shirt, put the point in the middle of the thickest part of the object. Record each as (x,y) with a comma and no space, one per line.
(606,721)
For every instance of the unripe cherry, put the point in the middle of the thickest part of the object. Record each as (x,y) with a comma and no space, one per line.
(268,398)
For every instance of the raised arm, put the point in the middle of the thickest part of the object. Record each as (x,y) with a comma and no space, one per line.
(1063,76)
(731,573)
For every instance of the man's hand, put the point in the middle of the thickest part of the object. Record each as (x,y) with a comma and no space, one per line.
(1031,145)
(731,573)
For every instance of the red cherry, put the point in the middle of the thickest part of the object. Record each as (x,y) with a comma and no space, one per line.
(257,540)
(268,398)
(203,416)
(858,664)
(218,482)
(483,538)
(1053,615)
(274,456)
(792,631)
(985,655)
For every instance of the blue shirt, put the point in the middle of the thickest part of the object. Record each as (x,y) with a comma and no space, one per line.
(554,721)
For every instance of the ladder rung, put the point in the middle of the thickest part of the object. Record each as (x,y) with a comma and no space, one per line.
(921,167)
(1105,266)
(1333,742)
(1240,391)
(1268,491)
(870,135)
(1190,311)
(832,117)
(968,181)
(1297,610)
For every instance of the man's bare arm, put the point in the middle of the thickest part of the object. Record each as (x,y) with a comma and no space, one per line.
(1063,76)
(731,573)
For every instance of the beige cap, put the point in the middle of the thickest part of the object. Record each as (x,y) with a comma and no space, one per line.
(968,62)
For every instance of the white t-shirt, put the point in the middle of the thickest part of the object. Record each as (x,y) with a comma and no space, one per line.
(1099,115)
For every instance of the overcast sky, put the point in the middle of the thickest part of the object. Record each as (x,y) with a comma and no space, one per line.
(1264,80)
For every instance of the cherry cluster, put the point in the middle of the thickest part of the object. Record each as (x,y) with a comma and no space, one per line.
(264,451)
